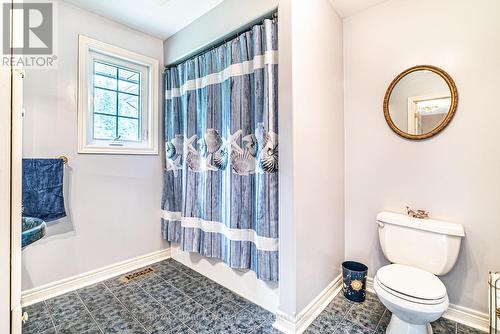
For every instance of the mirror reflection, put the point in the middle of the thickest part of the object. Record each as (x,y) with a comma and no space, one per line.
(420,102)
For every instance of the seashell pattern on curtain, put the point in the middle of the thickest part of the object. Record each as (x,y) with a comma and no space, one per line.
(220,194)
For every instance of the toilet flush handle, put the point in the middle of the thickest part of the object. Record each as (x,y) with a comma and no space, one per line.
(380,224)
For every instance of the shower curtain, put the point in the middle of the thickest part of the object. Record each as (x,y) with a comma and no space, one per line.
(220,194)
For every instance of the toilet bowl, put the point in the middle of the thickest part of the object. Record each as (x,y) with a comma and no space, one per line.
(419,250)
(415,298)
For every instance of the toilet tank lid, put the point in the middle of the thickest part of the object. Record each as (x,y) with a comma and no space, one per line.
(430,225)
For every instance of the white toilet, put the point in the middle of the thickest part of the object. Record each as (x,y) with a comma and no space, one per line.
(419,249)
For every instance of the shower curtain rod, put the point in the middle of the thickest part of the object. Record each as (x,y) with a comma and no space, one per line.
(223,40)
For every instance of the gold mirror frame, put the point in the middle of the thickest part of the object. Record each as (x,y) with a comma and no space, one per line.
(453,106)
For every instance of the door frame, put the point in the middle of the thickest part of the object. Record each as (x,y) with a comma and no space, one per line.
(5,198)
(413,117)
(11,102)
(16,201)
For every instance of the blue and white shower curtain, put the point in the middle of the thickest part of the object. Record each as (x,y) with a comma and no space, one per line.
(220,195)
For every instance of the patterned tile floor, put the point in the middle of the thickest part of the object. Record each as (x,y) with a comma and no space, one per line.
(178,300)
(371,317)
(173,300)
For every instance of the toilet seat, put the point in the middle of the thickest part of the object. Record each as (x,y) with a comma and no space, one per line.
(411,284)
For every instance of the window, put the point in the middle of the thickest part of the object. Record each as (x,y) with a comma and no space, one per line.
(118,100)
(117,111)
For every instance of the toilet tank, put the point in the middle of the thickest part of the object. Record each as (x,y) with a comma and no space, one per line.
(427,244)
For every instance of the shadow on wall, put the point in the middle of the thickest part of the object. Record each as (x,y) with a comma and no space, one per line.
(58,229)
(65,224)
(460,269)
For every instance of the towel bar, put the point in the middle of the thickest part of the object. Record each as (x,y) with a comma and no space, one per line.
(64,159)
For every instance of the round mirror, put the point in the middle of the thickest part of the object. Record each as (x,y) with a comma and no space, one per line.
(420,102)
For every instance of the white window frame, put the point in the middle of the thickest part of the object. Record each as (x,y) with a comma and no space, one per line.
(90,49)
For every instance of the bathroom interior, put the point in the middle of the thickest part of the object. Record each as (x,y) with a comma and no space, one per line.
(141,157)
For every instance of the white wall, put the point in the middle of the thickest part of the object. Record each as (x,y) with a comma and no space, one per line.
(311,149)
(318,139)
(454,175)
(113,202)
(221,21)
(287,249)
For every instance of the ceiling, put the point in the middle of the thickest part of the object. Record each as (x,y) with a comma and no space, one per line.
(159,18)
(163,18)
(347,8)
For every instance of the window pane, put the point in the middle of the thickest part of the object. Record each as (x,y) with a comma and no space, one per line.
(105,82)
(128,75)
(105,70)
(104,101)
(104,127)
(128,87)
(128,129)
(128,105)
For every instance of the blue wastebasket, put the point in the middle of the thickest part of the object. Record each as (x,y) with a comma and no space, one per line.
(354,276)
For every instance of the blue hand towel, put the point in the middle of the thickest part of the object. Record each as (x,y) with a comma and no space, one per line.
(43,189)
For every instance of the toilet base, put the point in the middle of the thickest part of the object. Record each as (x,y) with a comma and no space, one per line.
(398,326)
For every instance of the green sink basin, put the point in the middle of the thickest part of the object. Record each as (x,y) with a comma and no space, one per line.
(33,229)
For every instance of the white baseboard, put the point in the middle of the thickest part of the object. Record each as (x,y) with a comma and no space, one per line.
(468,317)
(457,313)
(369,285)
(298,324)
(63,286)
